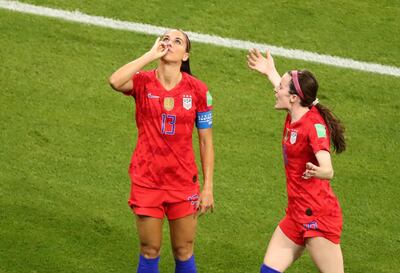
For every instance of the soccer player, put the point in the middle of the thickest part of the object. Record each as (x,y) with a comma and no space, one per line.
(313,219)
(163,172)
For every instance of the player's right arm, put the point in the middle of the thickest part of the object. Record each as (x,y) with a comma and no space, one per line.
(264,65)
(121,80)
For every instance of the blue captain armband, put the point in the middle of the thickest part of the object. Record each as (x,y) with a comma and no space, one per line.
(204,120)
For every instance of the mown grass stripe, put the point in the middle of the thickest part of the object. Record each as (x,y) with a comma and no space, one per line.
(77,16)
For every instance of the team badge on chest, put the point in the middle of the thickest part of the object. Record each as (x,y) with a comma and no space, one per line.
(293,137)
(168,103)
(187,102)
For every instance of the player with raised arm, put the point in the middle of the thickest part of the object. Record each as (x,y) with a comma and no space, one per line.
(169,102)
(313,219)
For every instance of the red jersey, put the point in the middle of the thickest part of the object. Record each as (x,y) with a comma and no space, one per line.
(307,198)
(164,157)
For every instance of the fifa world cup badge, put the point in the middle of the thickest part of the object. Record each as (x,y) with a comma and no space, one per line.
(293,137)
(168,103)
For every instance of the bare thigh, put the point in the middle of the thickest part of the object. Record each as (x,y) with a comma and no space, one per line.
(326,255)
(150,235)
(183,232)
(281,251)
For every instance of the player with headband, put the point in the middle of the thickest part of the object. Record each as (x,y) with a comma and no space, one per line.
(313,219)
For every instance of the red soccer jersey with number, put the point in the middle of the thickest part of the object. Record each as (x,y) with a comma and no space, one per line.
(307,198)
(164,156)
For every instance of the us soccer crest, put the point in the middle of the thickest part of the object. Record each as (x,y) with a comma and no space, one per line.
(168,103)
(187,102)
(293,137)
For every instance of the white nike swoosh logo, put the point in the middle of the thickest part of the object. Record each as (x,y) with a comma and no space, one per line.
(150,96)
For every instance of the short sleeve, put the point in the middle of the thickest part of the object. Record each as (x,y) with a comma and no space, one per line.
(204,102)
(319,137)
(137,83)
(204,108)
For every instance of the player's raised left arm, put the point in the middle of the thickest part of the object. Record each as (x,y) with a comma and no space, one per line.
(264,65)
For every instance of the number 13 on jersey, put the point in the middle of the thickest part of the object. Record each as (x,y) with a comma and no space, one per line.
(168,124)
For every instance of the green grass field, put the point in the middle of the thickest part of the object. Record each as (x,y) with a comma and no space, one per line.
(66,138)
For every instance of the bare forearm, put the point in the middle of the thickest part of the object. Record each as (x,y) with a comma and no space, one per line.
(207,162)
(124,74)
(324,173)
(324,170)
(274,77)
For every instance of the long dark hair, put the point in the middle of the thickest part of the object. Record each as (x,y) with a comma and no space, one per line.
(309,86)
(185,66)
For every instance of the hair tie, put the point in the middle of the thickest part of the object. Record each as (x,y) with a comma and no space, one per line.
(296,83)
(315,102)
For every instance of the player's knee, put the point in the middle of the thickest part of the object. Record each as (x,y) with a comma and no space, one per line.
(149,251)
(183,252)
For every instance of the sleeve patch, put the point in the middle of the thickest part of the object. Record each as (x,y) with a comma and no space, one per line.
(204,120)
(209,98)
(321,130)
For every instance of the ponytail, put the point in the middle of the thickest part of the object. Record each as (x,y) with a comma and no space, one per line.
(185,67)
(305,85)
(335,127)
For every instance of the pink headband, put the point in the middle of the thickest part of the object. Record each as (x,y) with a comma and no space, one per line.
(296,83)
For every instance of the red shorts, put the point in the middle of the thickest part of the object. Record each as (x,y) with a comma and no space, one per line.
(157,202)
(329,227)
